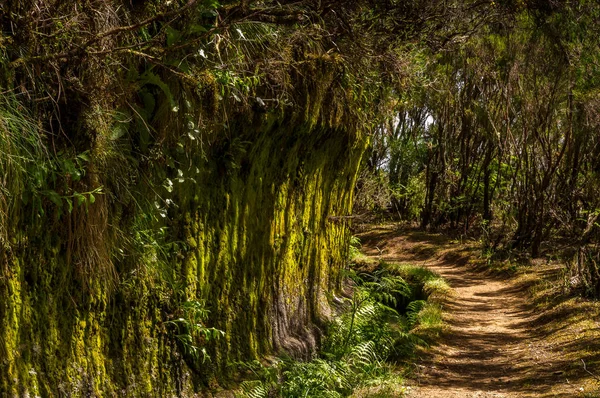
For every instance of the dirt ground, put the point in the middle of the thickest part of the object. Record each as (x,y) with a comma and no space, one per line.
(505,336)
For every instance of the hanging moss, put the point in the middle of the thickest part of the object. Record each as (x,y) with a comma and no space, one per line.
(145,188)
(261,247)
(245,231)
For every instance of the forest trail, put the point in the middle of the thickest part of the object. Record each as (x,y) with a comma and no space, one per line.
(489,346)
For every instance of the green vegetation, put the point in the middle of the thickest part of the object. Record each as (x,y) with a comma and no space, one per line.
(177,178)
(189,328)
(167,179)
(499,141)
(379,325)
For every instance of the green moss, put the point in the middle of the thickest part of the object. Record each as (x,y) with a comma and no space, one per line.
(248,232)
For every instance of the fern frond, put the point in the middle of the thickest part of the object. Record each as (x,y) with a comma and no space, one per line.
(413,310)
(368,309)
(364,354)
(254,389)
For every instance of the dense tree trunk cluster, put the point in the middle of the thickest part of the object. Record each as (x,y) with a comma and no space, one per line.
(503,134)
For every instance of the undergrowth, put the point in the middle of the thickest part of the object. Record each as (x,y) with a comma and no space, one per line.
(385,319)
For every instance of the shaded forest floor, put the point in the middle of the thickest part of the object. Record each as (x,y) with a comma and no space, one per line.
(506,334)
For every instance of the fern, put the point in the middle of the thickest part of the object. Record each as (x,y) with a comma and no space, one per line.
(385,287)
(319,378)
(357,346)
(413,310)
(364,354)
(254,389)
(354,248)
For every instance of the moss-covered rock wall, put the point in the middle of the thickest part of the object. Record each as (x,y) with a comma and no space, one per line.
(174,181)
(95,296)
(263,252)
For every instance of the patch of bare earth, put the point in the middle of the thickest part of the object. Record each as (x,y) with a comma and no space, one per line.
(497,342)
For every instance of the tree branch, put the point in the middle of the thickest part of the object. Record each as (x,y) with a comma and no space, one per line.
(81,49)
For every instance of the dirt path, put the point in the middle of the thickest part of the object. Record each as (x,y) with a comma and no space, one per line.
(490,347)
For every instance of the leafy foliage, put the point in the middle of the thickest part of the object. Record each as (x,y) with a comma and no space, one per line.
(190,331)
(354,247)
(498,139)
(360,345)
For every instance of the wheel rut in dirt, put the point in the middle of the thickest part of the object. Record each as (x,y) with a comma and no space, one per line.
(489,347)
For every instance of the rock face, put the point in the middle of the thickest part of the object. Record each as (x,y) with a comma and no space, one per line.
(96,274)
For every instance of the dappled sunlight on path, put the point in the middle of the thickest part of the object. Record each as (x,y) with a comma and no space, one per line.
(489,347)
